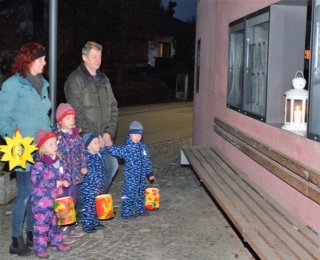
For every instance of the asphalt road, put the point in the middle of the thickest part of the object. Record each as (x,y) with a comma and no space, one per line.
(169,122)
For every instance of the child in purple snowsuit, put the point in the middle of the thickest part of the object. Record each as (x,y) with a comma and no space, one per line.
(48,179)
(72,149)
(71,146)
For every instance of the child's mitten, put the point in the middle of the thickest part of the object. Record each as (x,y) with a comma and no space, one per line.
(151,179)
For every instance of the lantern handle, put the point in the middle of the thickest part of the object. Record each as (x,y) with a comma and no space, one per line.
(299,72)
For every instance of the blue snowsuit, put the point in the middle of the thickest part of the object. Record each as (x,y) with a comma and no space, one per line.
(138,168)
(92,186)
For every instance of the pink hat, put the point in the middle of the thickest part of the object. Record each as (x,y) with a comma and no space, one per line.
(63,110)
(42,136)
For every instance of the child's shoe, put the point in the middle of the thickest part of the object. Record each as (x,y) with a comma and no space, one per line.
(142,214)
(76,233)
(90,230)
(68,240)
(44,255)
(99,226)
(63,248)
(127,218)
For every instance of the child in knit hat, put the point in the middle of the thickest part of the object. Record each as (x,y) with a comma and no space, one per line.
(138,168)
(72,149)
(93,182)
(47,178)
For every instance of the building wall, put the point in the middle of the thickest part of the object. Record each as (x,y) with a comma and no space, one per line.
(213,18)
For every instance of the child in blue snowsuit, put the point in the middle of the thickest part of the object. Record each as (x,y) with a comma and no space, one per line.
(138,168)
(93,183)
(48,179)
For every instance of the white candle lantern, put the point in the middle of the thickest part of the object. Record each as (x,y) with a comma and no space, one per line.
(296,105)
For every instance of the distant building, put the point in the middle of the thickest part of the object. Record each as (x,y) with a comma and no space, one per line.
(160,48)
(158,51)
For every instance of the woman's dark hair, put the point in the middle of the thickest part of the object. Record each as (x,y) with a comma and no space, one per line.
(27,54)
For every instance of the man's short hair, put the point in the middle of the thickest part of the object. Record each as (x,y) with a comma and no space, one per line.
(89,46)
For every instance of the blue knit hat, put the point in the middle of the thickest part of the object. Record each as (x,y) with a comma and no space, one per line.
(136,128)
(87,138)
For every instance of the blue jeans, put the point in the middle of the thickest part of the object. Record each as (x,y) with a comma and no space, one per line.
(110,169)
(22,209)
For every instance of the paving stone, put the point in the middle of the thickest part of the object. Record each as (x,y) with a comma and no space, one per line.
(187,226)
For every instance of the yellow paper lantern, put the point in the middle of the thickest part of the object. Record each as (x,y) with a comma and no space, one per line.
(18,151)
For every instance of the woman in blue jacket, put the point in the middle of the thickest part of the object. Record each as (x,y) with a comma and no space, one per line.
(24,105)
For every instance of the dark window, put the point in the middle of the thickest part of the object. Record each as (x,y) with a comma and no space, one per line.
(198,65)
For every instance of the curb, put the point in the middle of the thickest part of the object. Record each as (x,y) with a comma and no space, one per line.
(152,107)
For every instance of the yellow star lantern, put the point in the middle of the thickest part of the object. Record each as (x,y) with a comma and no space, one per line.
(18,150)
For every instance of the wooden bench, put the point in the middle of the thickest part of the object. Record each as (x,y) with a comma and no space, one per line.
(270,230)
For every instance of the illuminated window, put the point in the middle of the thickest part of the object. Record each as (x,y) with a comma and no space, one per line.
(164,50)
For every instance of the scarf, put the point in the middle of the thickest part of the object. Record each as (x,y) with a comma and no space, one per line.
(48,160)
(36,81)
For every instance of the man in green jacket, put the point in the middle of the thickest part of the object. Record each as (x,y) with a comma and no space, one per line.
(88,91)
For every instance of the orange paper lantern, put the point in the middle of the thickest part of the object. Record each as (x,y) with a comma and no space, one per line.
(64,208)
(152,199)
(104,205)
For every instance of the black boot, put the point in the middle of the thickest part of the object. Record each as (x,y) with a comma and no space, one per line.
(18,247)
(29,239)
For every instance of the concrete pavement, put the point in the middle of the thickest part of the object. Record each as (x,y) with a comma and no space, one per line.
(187,226)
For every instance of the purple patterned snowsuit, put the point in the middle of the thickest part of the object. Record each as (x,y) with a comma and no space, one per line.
(72,150)
(44,176)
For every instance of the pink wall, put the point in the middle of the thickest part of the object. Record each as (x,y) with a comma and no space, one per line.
(213,18)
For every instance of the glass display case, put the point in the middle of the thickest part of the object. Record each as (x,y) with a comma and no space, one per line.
(248,64)
(256,64)
(236,64)
(314,75)
(264,54)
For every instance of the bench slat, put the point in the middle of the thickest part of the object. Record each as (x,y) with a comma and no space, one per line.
(250,234)
(267,233)
(264,210)
(305,235)
(295,166)
(307,188)
(263,226)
